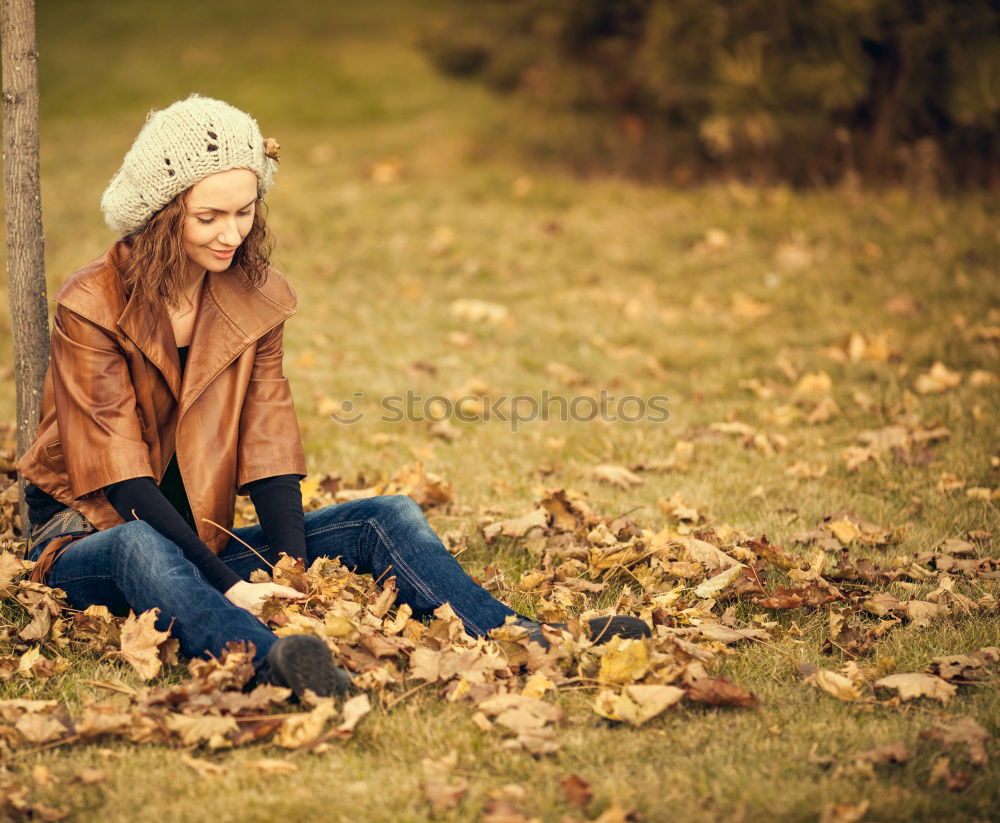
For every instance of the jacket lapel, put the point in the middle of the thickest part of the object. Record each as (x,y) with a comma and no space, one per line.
(232,314)
(154,336)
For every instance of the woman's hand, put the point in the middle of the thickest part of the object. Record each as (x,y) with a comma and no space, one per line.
(250,596)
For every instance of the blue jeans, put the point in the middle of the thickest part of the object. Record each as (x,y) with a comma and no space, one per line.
(133,566)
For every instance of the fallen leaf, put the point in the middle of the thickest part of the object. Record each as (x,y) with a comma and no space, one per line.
(911,685)
(964,731)
(303,729)
(895,753)
(140,643)
(721,691)
(636,704)
(938,379)
(577,790)
(205,768)
(270,766)
(833,683)
(715,585)
(844,812)
(624,660)
(615,475)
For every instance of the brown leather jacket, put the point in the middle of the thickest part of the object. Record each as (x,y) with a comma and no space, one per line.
(114,405)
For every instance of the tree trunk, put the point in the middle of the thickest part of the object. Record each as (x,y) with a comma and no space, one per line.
(23,202)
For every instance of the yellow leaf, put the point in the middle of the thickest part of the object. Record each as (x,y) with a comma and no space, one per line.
(624,661)
(140,643)
(844,530)
(714,585)
(836,684)
(917,684)
(636,704)
(939,379)
(303,729)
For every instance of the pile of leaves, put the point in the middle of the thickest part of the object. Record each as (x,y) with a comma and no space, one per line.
(703,591)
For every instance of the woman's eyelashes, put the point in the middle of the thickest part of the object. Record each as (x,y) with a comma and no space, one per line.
(205,221)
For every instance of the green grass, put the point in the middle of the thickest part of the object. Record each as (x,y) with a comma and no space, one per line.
(587,270)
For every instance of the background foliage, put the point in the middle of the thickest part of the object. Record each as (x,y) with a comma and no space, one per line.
(808,91)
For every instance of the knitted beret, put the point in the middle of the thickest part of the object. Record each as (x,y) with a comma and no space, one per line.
(177,147)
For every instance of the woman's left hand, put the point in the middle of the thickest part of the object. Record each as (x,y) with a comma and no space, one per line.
(251,596)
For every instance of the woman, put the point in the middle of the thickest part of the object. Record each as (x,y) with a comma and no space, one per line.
(165,398)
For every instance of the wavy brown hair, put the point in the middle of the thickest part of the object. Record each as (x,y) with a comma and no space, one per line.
(157,267)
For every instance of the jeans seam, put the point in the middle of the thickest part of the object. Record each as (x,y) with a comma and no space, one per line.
(414,577)
(78,579)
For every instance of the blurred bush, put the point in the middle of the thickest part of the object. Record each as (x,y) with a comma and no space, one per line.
(808,91)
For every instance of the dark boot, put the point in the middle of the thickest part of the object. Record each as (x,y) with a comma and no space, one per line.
(300,662)
(601,629)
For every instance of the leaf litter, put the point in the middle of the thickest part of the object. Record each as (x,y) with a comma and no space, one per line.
(680,579)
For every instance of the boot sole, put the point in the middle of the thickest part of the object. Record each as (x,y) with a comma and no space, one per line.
(304,662)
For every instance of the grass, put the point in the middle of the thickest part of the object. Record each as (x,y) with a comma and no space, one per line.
(610,278)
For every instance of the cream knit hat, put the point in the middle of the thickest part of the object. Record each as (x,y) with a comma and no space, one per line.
(177,147)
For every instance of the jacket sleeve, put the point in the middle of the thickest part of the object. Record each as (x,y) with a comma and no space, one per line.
(95,405)
(270,442)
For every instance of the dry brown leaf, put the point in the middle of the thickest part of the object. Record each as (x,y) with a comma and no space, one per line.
(615,475)
(577,790)
(444,796)
(721,691)
(938,379)
(196,729)
(624,660)
(40,728)
(88,776)
(961,731)
(205,768)
(517,527)
(141,641)
(911,685)
(636,704)
(354,709)
(271,766)
(844,812)
(303,729)
(832,683)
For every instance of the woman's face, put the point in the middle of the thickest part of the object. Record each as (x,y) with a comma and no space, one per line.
(220,211)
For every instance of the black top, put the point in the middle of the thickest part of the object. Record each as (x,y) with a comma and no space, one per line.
(277,499)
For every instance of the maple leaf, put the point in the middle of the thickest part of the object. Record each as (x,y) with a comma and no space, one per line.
(36,727)
(911,685)
(141,641)
(196,729)
(636,704)
(624,660)
(303,729)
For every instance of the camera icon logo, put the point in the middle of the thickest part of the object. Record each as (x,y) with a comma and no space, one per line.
(349,413)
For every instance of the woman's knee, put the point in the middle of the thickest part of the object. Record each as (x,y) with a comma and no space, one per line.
(398,514)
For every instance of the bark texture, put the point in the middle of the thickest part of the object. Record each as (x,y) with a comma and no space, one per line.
(23,202)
